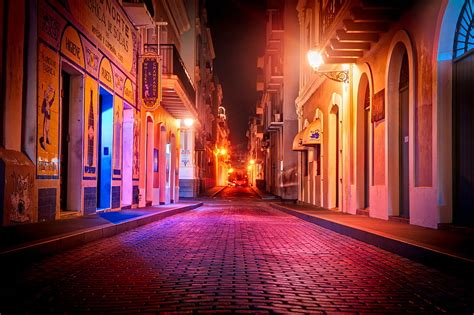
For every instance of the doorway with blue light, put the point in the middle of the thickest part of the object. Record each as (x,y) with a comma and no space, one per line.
(106,119)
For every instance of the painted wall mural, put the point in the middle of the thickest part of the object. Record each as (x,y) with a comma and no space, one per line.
(21,198)
(129,92)
(90,127)
(50,24)
(117,146)
(92,57)
(105,73)
(71,46)
(136,146)
(48,113)
(108,25)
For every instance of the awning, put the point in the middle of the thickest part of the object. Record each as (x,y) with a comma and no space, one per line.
(297,142)
(312,135)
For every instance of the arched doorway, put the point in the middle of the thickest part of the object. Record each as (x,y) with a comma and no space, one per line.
(400,98)
(463,114)
(104,179)
(163,168)
(127,156)
(404,136)
(304,172)
(150,161)
(173,171)
(363,143)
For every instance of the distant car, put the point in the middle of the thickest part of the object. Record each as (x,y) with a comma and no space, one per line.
(241,182)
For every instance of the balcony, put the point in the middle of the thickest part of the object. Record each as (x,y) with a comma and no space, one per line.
(179,96)
(140,12)
(274,72)
(348,28)
(275,123)
(275,30)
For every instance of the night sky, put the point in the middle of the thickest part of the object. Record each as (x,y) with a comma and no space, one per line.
(238,32)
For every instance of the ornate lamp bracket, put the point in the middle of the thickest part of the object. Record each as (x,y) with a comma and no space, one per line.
(338,76)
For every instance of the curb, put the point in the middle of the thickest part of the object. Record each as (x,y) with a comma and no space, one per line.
(217,192)
(428,256)
(74,239)
(263,196)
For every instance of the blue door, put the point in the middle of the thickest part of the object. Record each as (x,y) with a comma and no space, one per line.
(106,119)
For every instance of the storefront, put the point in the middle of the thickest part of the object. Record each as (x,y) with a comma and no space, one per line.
(88,121)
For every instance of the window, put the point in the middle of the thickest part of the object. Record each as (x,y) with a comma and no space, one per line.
(463,38)
(317,153)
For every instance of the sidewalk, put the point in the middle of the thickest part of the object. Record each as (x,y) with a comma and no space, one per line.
(447,250)
(263,194)
(37,239)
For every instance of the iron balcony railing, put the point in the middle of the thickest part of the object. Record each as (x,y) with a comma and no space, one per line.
(174,65)
(328,12)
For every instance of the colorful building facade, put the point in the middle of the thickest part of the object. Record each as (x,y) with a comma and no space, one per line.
(92,102)
(392,139)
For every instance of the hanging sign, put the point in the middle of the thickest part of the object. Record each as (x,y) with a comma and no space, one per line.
(149,73)
(378,106)
(136,145)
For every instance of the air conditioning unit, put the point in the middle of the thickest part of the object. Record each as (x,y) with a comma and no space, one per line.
(277,117)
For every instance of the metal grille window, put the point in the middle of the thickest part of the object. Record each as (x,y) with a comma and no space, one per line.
(464,36)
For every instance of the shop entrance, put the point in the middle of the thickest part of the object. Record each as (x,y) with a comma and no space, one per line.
(127,158)
(363,144)
(106,120)
(403,139)
(463,112)
(367,148)
(70,134)
(151,160)
(168,173)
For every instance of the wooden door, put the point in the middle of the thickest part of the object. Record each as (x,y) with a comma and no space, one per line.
(463,140)
(404,140)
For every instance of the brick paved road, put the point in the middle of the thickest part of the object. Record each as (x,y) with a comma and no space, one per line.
(240,193)
(232,256)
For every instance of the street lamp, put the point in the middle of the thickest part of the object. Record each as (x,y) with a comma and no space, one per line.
(315,60)
(188,122)
(252,162)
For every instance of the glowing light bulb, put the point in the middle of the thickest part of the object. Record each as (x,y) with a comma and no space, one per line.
(315,59)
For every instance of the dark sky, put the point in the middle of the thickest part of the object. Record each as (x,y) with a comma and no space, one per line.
(238,32)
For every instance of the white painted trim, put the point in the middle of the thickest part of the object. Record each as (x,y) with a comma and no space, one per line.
(400,42)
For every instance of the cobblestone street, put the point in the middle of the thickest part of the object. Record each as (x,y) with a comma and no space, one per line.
(232,255)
